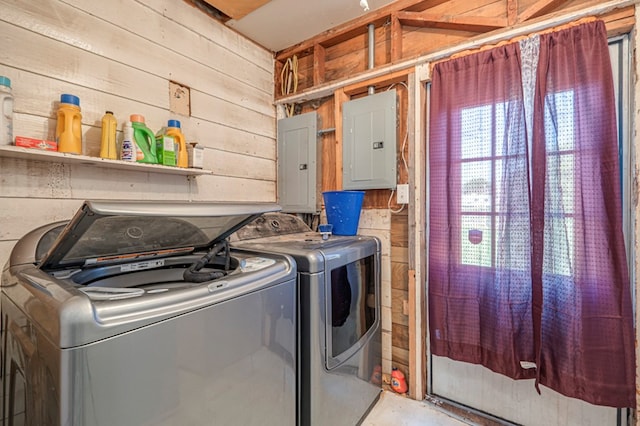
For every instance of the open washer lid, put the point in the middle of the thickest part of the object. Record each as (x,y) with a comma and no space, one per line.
(121,231)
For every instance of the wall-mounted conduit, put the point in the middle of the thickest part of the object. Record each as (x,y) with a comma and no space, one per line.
(372,48)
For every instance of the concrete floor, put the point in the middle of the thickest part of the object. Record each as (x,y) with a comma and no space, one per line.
(397,410)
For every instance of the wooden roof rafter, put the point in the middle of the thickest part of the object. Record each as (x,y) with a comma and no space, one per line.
(539,8)
(464,23)
(356,26)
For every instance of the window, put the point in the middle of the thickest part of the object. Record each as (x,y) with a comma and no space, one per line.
(560,196)
(483,170)
(489,162)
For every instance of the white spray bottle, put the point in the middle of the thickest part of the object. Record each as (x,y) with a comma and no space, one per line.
(128,148)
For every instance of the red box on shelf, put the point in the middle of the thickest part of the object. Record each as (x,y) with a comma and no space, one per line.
(36,143)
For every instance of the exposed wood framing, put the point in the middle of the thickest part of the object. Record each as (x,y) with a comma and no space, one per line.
(399,238)
(412,29)
(415,352)
(539,8)
(512,12)
(396,38)
(378,82)
(353,27)
(463,23)
(318,64)
(339,98)
(636,210)
(548,21)
(417,116)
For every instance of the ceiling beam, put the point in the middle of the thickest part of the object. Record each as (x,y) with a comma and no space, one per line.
(237,9)
(462,23)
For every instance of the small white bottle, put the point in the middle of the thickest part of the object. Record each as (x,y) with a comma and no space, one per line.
(6,112)
(128,148)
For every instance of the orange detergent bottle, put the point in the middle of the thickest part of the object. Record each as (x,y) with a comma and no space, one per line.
(173,129)
(69,125)
(398,383)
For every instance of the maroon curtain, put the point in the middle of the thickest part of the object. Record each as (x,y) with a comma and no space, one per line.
(582,299)
(479,259)
(527,270)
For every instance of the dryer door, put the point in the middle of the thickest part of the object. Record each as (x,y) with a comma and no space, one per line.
(352,307)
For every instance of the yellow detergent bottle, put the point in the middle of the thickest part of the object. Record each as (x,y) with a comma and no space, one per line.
(173,129)
(108,148)
(69,126)
(144,139)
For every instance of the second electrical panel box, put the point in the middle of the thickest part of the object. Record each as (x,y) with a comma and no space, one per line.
(369,142)
(298,168)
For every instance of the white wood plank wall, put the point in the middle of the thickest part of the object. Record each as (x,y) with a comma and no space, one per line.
(377,223)
(120,55)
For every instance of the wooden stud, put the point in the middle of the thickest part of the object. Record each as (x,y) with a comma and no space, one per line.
(339,98)
(512,12)
(414,350)
(326,116)
(418,251)
(278,66)
(396,38)
(318,64)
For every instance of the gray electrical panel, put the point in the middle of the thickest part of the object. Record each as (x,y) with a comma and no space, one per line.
(369,142)
(298,168)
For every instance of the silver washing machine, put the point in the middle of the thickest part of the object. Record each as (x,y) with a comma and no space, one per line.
(339,316)
(138,313)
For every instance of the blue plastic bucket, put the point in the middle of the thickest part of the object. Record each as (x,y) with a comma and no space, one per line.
(343,210)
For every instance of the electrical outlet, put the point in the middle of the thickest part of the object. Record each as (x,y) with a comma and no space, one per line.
(402,193)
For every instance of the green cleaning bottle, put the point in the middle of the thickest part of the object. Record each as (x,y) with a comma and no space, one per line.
(144,139)
(165,148)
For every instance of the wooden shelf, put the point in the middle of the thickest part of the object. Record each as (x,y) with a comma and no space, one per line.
(11,151)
